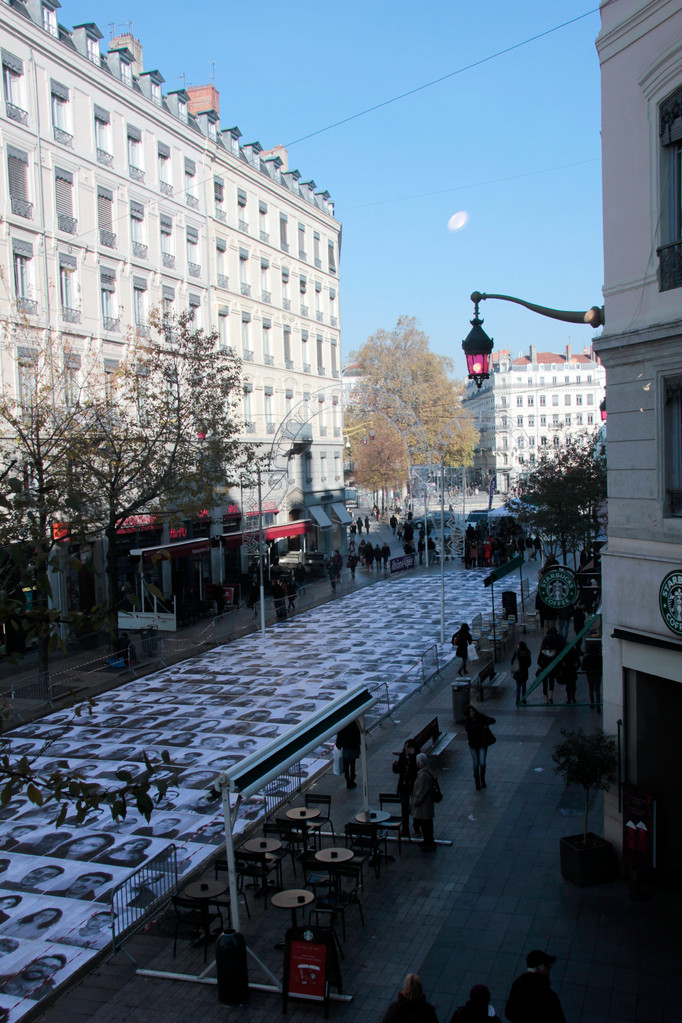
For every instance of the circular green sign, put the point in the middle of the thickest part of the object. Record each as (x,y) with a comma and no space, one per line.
(558,587)
(670,601)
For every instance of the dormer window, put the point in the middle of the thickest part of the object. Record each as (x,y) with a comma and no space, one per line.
(92,48)
(212,134)
(126,73)
(182,111)
(50,20)
(156,93)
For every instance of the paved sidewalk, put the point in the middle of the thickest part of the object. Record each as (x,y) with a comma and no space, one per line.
(465,914)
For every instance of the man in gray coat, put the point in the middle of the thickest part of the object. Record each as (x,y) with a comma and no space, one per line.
(421,806)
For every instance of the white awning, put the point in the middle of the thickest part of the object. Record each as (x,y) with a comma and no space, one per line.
(341,513)
(320,515)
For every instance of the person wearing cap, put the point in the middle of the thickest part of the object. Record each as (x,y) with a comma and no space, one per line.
(531,999)
(478,1009)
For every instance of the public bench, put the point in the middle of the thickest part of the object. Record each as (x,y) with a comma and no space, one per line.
(432,734)
(490,676)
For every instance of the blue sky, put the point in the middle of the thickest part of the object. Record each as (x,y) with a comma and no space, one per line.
(514,142)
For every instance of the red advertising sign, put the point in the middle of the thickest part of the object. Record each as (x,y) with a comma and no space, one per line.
(228,593)
(639,828)
(307,970)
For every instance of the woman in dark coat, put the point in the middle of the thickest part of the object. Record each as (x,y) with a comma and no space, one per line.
(520,666)
(421,806)
(406,769)
(411,1006)
(348,741)
(460,641)
(476,1009)
(477,726)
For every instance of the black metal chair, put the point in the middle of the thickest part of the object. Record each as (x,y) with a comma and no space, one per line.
(342,896)
(322,803)
(291,836)
(257,867)
(394,823)
(196,915)
(221,867)
(365,840)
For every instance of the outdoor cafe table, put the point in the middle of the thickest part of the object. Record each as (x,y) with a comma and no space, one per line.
(303,814)
(334,855)
(293,899)
(204,891)
(372,816)
(262,845)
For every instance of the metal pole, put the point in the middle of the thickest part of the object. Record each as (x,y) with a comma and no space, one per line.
(229,851)
(260,557)
(443,549)
(363,766)
(492,596)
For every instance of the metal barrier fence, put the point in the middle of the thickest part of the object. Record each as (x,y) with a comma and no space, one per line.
(381,709)
(282,789)
(146,890)
(223,627)
(23,695)
(429,661)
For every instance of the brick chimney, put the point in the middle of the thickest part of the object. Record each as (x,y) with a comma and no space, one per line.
(129,42)
(203,97)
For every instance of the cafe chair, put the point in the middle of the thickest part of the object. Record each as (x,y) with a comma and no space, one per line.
(342,896)
(394,824)
(221,867)
(195,915)
(315,874)
(365,840)
(291,836)
(257,867)
(315,801)
(271,830)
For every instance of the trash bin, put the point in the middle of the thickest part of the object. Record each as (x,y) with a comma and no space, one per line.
(509,604)
(461,697)
(231,969)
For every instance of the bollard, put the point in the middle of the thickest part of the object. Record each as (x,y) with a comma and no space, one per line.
(231,969)
(461,697)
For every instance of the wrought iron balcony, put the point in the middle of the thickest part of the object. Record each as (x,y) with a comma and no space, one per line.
(264,236)
(140,250)
(22,208)
(319,316)
(302,254)
(111,322)
(107,238)
(245,289)
(247,355)
(271,427)
(243,226)
(220,215)
(265,296)
(335,374)
(16,113)
(323,431)
(289,363)
(223,280)
(193,269)
(304,310)
(250,427)
(333,320)
(286,304)
(337,429)
(67,224)
(321,371)
(28,306)
(103,157)
(318,262)
(136,173)
(71,315)
(166,187)
(306,367)
(269,360)
(670,267)
(284,246)
(143,330)
(168,260)
(192,201)
(63,136)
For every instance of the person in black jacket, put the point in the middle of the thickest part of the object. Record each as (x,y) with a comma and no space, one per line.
(551,646)
(520,666)
(461,640)
(348,741)
(406,769)
(476,1009)
(411,1006)
(531,999)
(477,725)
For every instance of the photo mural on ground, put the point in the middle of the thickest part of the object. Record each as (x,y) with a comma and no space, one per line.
(208,713)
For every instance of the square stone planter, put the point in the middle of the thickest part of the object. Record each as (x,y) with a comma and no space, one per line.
(585,865)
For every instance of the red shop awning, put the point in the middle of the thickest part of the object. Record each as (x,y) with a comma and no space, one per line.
(186,549)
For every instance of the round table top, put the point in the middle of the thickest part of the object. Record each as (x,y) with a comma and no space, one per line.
(302,813)
(372,816)
(262,845)
(334,855)
(292,898)
(204,890)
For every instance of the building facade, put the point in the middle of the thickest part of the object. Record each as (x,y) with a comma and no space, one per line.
(118,198)
(527,405)
(640,52)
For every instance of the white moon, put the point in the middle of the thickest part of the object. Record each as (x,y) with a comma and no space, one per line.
(458,220)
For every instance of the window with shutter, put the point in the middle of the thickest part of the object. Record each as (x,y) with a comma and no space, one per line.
(17,172)
(104,211)
(64,201)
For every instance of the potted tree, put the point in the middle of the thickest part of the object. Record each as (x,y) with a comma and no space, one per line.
(588,760)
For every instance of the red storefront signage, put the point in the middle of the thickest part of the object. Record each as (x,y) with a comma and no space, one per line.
(639,828)
(138,522)
(178,532)
(61,531)
(307,970)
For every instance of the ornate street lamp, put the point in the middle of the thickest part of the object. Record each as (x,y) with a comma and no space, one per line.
(478,346)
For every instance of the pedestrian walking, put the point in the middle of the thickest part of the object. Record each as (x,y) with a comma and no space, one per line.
(348,741)
(332,573)
(300,576)
(291,593)
(421,806)
(520,667)
(411,1006)
(406,769)
(359,525)
(367,524)
(377,556)
(592,666)
(563,620)
(531,999)
(400,531)
(352,564)
(369,555)
(279,594)
(385,555)
(461,640)
(478,1009)
(393,523)
(537,548)
(477,725)
(568,673)
(338,562)
(551,646)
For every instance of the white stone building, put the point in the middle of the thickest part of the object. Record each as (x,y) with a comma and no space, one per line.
(527,405)
(117,197)
(640,51)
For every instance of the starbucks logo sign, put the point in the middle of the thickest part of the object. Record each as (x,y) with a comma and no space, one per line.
(670,601)
(558,588)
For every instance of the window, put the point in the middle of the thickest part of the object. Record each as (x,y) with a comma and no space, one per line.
(221,261)
(301,242)
(267,352)
(135,160)
(126,73)
(17,173)
(567,400)
(579,419)
(167,252)
(27,366)
(244,285)
(531,420)
(64,200)
(50,20)
(503,403)
(555,399)
(107,280)
(250,425)
(140,305)
(323,467)
(302,287)
(283,228)
(567,420)
(333,319)
(543,442)
(670,134)
(556,441)
(286,299)
(105,219)
(241,203)
(13,84)
(223,327)
(269,412)
(60,114)
(193,265)
(331,258)
(531,400)
(165,166)
(195,309)
(92,50)
(191,197)
(182,111)
(519,420)
(555,380)
(263,221)
(320,355)
(219,199)
(531,442)
(543,400)
(316,250)
(335,368)
(318,301)
(167,299)
(67,290)
(590,419)
(137,232)
(103,136)
(246,337)
(156,93)
(519,400)
(72,365)
(521,443)
(590,399)
(287,347)
(22,260)
(265,280)
(555,419)
(578,399)
(543,420)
